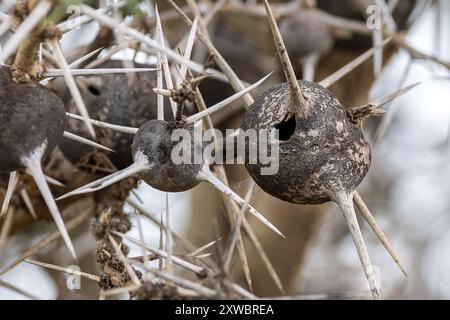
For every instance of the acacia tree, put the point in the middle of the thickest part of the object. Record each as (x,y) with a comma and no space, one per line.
(210,62)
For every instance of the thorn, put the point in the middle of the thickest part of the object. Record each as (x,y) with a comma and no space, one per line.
(104,182)
(189,46)
(382,101)
(224,103)
(102,124)
(203,248)
(377,230)
(298,102)
(26,199)
(345,202)
(68,270)
(33,163)
(71,85)
(85,141)
(92,72)
(50,180)
(332,78)
(12,183)
(165,61)
(159,75)
(84,58)
(208,176)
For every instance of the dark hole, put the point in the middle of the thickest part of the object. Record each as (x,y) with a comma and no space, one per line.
(94,90)
(286,129)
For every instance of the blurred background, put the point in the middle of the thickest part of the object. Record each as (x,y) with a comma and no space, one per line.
(407,188)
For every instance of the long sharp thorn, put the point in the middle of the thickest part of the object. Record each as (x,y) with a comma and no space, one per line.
(34,165)
(165,61)
(189,46)
(377,39)
(102,124)
(235,231)
(84,58)
(202,248)
(92,72)
(108,180)
(208,176)
(26,199)
(159,79)
(377,230)
(6,228)
(169,266)
(225,102)
(298,101)
(71,85)
(67,270)
(382,101)
(50,180)
(85,141)
(12,183)
(38,13)
(331,79)
(345,202)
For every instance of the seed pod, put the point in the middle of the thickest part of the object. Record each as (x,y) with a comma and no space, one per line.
(154,142)
(112,99)
(321,151)
(32,121)
(30,115)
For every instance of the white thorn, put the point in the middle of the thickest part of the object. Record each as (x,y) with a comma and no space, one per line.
(26,199)
(50,180)
(159,79)
(136,167)
(208,176)
(225,102)
(71,85)
(88,142)
(164,60)
(365,212)
(12,183)
(102,124)
(345,202)
(33,163)
(382,101)
(377,40)
(332,78)
(188,49)
(93,72)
